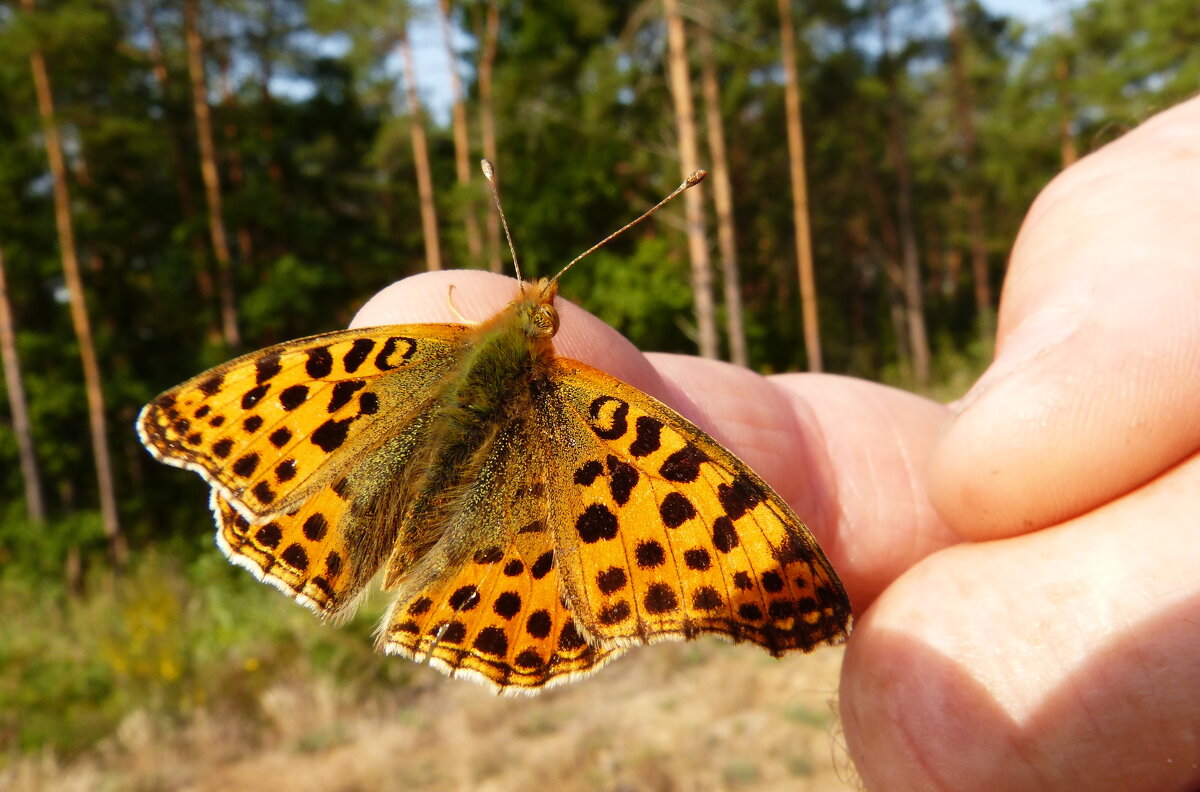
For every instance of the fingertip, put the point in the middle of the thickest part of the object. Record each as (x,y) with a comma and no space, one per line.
(429,297)
(984,667)
(474,296)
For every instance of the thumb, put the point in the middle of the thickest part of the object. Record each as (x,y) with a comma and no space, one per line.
(1097,375)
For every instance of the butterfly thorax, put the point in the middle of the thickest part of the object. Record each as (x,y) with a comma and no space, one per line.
(483,401)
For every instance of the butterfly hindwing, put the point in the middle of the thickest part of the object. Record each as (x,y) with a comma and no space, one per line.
(501,614)
(669,535)
(303,553)
(270,427)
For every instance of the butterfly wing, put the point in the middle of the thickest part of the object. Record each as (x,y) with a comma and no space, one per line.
(498,615)
(269,428)
(281,435)
(665,534)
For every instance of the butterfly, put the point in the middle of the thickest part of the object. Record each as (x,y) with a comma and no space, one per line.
(532,516)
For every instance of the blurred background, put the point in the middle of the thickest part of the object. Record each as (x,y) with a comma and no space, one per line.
(185,180)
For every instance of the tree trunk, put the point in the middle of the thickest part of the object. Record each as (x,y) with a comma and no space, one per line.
(970,149)
(914,308)
(35,502)
(267,133)
(795,136)
(723,198)
(889,257)
(689,157)
(79,315)
(1062,74)
(237,166)
(179,161)
(433,253)
(462,143)
(212,178)
(487,123)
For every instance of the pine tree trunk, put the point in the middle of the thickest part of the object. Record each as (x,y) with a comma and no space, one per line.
(267,130)
(914,308)
(689,157)
(487,123)
(212,178)
(35,502)
(237,165)
(795,136)
(79,315)
(970,149)
(462,143)
(723,198)
(889,257)
(429,227)
(1062,74)
(179,161)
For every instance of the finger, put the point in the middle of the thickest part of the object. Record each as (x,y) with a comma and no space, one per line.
(477,296)
(869,505)
(1059,660)
(1097,373)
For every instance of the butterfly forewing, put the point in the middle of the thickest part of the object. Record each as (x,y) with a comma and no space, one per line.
(669,535)
(264,429)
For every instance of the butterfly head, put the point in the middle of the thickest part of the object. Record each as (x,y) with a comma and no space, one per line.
(535,308)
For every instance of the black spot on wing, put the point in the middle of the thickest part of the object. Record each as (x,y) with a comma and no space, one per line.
(647,438)
(330,435)
(320,363)
(252,396)
(683,466)
(293,396)
(623,477)
(343,392)
(739,496)
(676,509)
(266,367)
(617,420)
(595,523)
(357,355)
(210,386)
(315,527)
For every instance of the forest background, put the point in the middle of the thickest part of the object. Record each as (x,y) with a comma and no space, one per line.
(182,181)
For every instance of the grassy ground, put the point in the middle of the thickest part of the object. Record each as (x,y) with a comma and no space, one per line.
(193,676)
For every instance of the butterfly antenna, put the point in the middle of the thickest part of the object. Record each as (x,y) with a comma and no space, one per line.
(691,181)
(489,173)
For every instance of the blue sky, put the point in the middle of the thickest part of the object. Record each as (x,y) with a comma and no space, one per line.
(433,84)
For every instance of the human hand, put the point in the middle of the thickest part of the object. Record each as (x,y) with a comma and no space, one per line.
(1056,649)
(1051,649)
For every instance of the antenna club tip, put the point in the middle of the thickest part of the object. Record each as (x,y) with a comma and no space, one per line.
(488,171)
(695,177)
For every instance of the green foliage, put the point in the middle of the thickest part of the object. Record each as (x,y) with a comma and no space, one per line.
(644,295)
(168,638)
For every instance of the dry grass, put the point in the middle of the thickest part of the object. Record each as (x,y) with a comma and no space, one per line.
(694,717)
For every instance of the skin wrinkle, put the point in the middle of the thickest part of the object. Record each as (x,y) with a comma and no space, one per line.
(828,513)
(911,473)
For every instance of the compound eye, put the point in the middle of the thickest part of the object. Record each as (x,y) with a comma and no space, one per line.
(544,321)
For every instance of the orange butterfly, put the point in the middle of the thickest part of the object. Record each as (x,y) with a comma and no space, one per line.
(533,515)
